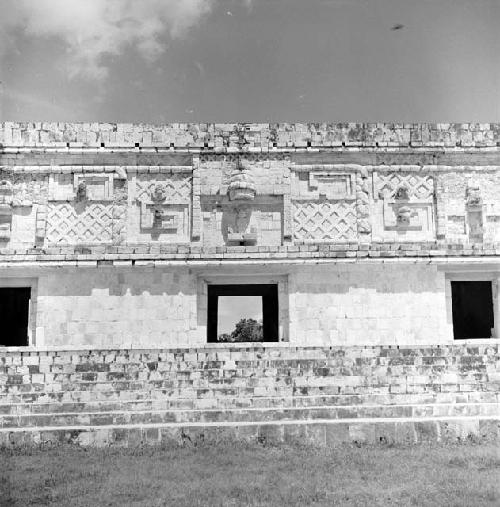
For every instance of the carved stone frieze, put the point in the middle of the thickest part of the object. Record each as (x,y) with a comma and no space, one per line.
(164,202)
(176,187)
(332,185)
(87,223)
(317,221)
(363,204)
(250,157)
(241,184)
(404,206)
(239,231)
(475,215)
(8,202)
(84,208)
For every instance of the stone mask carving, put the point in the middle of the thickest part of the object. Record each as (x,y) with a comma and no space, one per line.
(404,213)
(474,198)
(81,191)
(241,184)
(402,194)
(159,193)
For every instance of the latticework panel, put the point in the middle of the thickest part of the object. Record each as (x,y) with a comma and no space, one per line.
(324,221)
(419,186)
(177,186)
(66,224)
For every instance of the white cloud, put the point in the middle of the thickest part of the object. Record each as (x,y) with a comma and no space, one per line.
(93,29)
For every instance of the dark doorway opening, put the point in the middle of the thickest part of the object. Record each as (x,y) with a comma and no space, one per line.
(472,308)
(269,324)
(14,315)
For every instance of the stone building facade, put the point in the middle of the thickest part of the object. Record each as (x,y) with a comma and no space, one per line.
(112,237)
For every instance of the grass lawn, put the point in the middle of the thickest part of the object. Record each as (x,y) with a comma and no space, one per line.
(252,475)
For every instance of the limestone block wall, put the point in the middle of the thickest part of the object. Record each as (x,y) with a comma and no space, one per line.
(116,223)
(360,305)
(328,305)
(320,395)
(116,308)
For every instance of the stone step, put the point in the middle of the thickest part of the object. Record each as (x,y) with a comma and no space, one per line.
(117,418)
(319,432)
(226,397)
(159,401)
(319,366)
(23,375)
(145,393)
(22,384)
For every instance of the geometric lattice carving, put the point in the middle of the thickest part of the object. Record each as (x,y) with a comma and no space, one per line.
(419,187)
(177,187)
(324,221)
(66,224)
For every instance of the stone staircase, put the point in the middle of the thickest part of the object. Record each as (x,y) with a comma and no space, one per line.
(319,395)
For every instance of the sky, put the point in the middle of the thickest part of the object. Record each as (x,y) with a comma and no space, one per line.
(231,309)
(159,61)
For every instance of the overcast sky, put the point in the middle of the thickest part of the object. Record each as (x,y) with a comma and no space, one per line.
(231,309)
(250,60)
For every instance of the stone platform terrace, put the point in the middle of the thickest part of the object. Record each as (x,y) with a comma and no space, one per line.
(319,395)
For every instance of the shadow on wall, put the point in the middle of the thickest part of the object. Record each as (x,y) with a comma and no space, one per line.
(341,279)
(114,281)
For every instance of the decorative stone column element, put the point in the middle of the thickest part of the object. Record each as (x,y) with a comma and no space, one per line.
(287,218)
(5,210)
(7,204)
(474,207)
(197,223)
(241,184)
(240,191)
(363,203)
(439,193)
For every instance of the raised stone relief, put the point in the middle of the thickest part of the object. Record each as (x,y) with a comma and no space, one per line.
(404,206)
(5,209)
(241,189)
(81,191)
(8,202)
(164,201)
(236,214)
(316,221)
(239,231)
(332,185)
(324,205)
(474,209)
(82,208)
(363,204)
(241,184)
(158,214)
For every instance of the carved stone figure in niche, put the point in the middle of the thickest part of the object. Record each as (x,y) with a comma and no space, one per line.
(7,204)
(81,191)
(5,209)
(241,189)
(402,194)
(474,199)
(157,218)
(239,230)
(159,193)
(405,212)
(474,206)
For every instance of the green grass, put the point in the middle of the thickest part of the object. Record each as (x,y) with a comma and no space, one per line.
(252,475)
